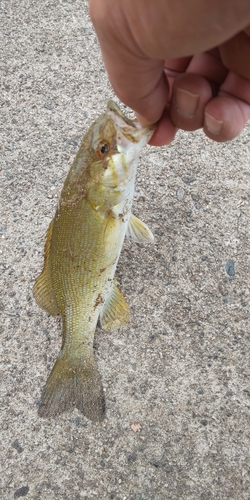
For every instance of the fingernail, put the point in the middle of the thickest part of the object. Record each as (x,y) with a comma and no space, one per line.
(186,102)
(214,126)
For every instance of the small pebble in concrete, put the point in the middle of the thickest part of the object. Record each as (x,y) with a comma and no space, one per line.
(17,446)
(180,194)
(195,197)
(48,104)
(21,492)
(132,457)
(136,427)
(188,180)
(204,422)
(230,268)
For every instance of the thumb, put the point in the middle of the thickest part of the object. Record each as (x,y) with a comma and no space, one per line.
(139,81)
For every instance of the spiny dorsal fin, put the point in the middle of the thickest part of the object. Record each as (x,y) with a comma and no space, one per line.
(139,231)
(115,311)
(43,288)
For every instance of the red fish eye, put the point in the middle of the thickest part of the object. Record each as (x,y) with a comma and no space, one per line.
(103,149)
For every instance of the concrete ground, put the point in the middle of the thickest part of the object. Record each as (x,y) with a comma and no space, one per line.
(176,378)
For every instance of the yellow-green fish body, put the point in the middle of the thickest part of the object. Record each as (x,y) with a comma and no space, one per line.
(82,248)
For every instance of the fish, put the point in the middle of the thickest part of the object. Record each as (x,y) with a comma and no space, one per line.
(82,248)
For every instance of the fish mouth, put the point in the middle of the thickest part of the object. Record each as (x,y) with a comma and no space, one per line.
(138,131)
(112,106)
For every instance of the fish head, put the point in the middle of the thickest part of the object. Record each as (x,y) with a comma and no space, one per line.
(116,142)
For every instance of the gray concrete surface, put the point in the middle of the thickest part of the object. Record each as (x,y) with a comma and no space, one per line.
(177,377)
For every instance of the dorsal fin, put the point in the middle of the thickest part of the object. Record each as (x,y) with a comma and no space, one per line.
(43,288)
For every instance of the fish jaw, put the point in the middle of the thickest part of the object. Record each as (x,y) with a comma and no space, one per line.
(131,135)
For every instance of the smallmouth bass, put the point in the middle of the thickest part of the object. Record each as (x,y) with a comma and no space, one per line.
(82,248)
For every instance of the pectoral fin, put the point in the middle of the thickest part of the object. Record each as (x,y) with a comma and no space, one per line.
(115,311)
(139,231)
(43,288)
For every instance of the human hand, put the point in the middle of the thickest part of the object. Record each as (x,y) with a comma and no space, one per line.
(183,64)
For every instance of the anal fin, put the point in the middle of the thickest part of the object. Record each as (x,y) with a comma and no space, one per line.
(43,288)
(115,311)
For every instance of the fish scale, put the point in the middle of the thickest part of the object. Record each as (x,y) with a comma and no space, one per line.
(82,249)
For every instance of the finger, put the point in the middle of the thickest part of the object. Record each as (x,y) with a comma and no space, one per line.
(235,54)
(209,65)
(227,114)
(165,131)
(140,84)
(191,93)
(137,79)
(173,67)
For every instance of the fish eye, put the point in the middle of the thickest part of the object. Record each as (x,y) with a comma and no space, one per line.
(102,149)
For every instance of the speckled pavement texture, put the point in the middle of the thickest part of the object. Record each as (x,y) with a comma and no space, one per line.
(176,378)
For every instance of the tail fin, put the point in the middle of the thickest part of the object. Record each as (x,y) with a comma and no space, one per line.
(72,385)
